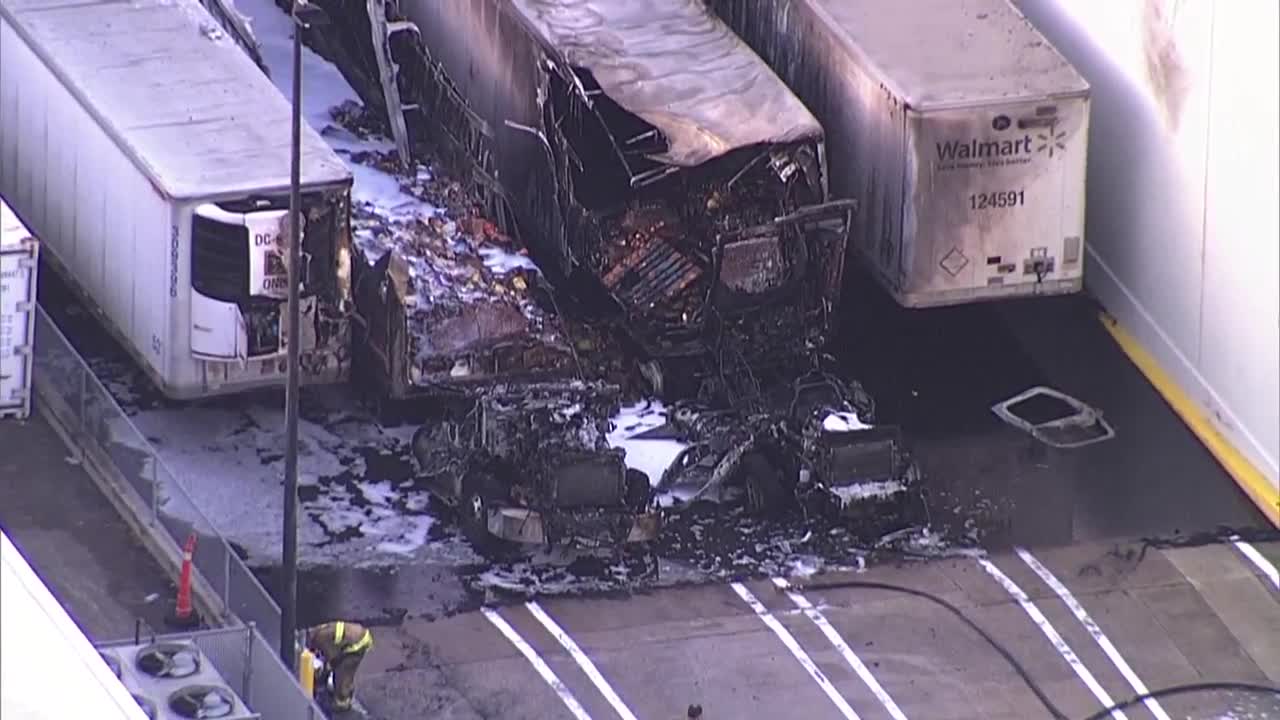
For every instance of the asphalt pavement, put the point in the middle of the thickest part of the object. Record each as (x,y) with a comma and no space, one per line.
(937,372)
(1089,625)
(74,538)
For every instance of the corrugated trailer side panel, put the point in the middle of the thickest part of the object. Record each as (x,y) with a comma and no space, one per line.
(98,216)
(864,122)
(492,58)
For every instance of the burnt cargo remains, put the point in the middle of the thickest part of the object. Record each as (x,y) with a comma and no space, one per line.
(651,163)
(436,318)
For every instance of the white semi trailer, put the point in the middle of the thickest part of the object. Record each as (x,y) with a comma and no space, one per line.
(19,253)
(152,158)
(959,129)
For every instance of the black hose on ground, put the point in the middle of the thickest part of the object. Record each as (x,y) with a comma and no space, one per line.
(1054,711)
(1003,652)
(1186,690)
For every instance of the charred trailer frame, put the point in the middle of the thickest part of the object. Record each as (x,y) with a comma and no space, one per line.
(650,161)
(531,463)
(411,346)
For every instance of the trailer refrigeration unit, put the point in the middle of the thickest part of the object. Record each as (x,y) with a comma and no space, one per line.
(652,164)
(152,158)
(958,127)
(19,255)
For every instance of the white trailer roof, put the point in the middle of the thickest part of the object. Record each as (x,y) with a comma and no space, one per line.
(937,53)
(196,114)
(48,668)
(677,66)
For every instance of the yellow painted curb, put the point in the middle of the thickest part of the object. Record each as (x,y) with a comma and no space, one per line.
(1247,476)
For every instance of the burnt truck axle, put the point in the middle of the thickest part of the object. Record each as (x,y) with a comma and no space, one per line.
(531,463)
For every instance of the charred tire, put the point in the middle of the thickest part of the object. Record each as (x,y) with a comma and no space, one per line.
(479,493)
(671,380)
(766,493)
(638,490)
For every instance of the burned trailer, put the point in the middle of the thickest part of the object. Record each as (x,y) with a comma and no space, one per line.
(652,164)
(443,311)
(809,442)
(531,463)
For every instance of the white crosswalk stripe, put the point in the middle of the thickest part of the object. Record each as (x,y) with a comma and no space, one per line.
(1103,641)
(798,652)
(1049,632)
(815,615)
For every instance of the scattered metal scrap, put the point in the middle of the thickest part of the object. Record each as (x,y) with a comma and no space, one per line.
(1054,418)
(531,463)
(807,442)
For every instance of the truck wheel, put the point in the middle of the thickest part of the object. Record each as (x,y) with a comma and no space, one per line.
(478,494)
(765,492)
(670,380)
(638,490)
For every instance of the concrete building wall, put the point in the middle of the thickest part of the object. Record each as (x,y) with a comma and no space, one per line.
(1182,223)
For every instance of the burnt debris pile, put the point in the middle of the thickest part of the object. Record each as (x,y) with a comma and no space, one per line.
(595,247)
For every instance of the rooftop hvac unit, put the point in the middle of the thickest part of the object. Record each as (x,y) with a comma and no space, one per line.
(174,680)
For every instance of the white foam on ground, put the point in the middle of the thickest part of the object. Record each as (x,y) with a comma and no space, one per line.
(502,261)
(231,465)
(843,422)
(652,457)
(878,490)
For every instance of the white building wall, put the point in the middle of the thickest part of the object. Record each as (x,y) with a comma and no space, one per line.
(1182,225)
(48,668)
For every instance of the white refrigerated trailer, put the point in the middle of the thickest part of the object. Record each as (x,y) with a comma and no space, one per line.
(19,255)
(152,158)
(959,129)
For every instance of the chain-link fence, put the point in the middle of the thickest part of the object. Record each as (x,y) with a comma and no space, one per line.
(249,667)
(83,406)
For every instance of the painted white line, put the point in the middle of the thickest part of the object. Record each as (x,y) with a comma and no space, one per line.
(538,663)
(1058,643)
(800,655)
(816,616)
(1259,560)
(581,658)
(1103,641)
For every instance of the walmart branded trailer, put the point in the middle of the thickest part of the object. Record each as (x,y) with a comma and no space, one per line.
(151,157)
(19,253)
(958,127)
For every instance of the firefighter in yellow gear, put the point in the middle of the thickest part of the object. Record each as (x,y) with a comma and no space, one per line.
(342,646)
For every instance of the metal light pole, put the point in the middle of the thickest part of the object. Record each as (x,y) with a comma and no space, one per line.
(304,15)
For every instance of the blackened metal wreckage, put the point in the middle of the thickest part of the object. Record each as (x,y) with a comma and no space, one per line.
(689,213)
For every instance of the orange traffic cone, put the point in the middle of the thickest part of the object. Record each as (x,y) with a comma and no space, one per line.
(184,616)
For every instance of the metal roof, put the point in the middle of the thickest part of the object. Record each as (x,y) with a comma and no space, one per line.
(953,52)
(195,113)
(677,66)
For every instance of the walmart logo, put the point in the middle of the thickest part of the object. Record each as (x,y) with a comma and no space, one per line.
(1051,140)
